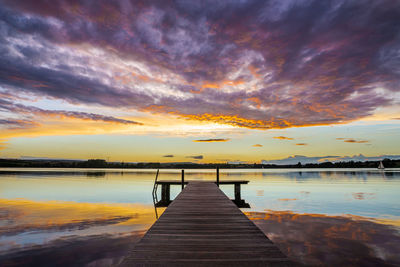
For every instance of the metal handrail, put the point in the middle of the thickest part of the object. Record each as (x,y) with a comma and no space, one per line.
(154,193)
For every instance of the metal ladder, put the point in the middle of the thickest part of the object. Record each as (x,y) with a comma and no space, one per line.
(154,193)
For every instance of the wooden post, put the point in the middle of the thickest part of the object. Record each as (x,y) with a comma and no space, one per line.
(217,176)
(237,192)
(183,179)
(165,196)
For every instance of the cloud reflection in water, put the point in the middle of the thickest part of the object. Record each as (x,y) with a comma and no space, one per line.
(316,239)
(55,233)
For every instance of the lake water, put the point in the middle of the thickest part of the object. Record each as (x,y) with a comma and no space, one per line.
(93,217)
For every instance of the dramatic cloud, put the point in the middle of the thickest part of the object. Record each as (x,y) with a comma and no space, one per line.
(254,64)
(304,159)
(301,144)
(168,156)
(283,138)
(257,145)
(196,157)
(212,140)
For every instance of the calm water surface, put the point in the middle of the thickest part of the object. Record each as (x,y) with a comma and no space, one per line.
(92,217)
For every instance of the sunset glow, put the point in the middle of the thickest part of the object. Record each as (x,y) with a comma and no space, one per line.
(250,80)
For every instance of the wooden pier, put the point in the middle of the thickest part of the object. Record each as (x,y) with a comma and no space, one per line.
(166,189)
(203,227)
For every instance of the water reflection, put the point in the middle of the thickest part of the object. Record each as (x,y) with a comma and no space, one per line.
(316,239)
(30,231)
(312,174)
(100,174)
(94,250)
(311,239)
(47,216)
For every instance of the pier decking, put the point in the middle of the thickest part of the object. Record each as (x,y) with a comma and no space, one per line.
(203,227)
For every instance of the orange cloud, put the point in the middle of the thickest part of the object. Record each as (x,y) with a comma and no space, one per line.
(237,121)
(301,144)
(222,84)
(350,140)
(212,140)
(283,138)
(211,85)
(257,145)
(256,100)
(234,120)
(356,141)
(254,71)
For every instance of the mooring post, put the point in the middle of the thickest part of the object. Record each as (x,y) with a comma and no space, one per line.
(165,194)
(217,176)
(183,179)
(237,192)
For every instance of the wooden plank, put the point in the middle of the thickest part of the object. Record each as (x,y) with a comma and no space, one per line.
(203,227)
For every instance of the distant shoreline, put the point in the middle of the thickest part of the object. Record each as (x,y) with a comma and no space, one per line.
(100,163)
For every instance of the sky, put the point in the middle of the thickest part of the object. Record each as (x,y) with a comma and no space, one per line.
(200,81)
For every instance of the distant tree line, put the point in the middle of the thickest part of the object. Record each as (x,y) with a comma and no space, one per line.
(101,163)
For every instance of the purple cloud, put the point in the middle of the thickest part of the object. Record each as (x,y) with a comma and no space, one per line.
(16,124)
(27,110)
(212,140)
